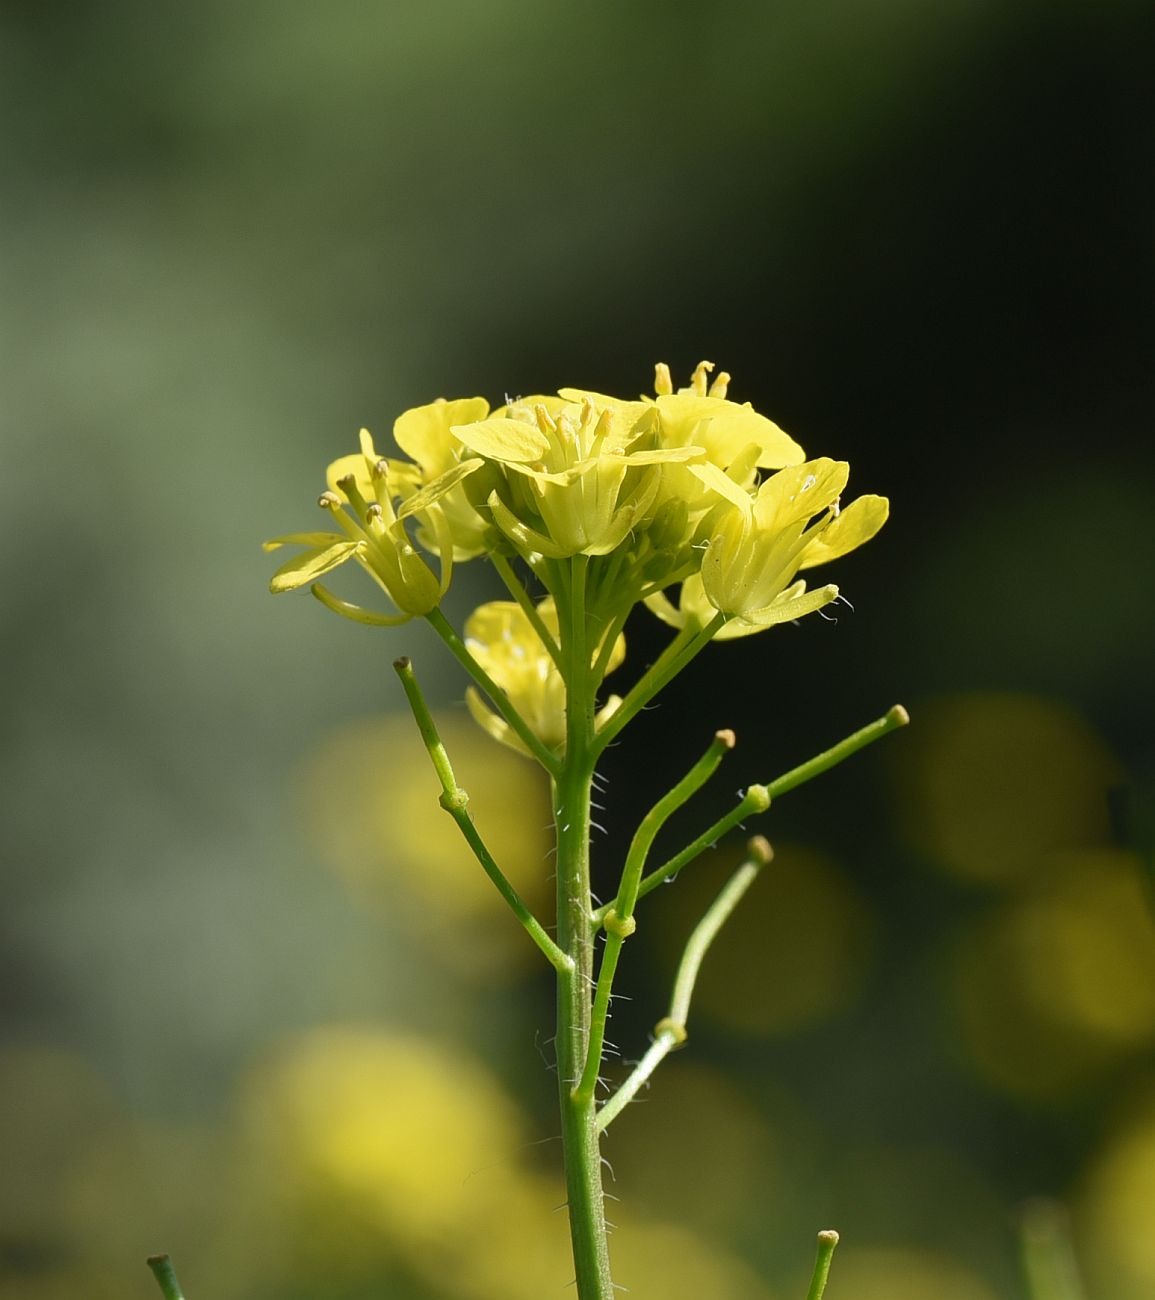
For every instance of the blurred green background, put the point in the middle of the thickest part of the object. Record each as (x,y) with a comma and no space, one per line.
(258,1008)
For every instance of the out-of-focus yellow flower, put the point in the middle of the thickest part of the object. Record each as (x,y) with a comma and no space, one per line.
(505,643)
(366,792)
(364,491)
(758,546)
(1054,988)
(1116,1209)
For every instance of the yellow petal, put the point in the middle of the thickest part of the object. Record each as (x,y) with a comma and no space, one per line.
(785,611)
(437,489)
(500,439)
(713,477)
(799,492)
(856,524)
(423,432)
(310,565)
(302,539)
(346,608)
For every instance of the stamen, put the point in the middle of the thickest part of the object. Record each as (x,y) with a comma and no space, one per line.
(663,384)
(698,380)
(721,386)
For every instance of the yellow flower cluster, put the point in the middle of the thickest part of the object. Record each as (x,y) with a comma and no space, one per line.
(662,492)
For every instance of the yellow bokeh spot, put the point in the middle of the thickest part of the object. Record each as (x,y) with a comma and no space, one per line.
(1053,987)
(793,953)
(1117,1212)
(401,1138)
(370,794)
(993,784)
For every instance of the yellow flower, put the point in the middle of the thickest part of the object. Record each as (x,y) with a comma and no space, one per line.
(423,434)
(581,475)
(758,546)
(363,494)
(502,639)
(734,437)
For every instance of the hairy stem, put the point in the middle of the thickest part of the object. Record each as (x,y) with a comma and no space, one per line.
(575,936)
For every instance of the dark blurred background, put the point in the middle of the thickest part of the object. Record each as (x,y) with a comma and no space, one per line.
(259,1008)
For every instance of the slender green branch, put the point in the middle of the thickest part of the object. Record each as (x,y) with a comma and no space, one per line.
(501,702)
(162,1270)
(755,800)
(455,802)
(660,813)
(619,922)
(688,642)
(606,650)
(670,1032)
(517,590)
(826,1242)
(890,721)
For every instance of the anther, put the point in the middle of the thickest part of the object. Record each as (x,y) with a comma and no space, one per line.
(726,737)
(698,379)
(663,383)
(721,385)
(329,501)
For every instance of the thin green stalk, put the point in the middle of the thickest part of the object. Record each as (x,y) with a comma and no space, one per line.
(575,934)
(501,702)
(755,800)
(619,923)
(165,1275)
(890,721)
(670,1032)
(826,1242)
(455,802)
(517,590)
(894,718)
(676,656)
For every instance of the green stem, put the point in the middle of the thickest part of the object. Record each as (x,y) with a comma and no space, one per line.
(162,1270)
(501,702)
(619,922)
(826,1242)
(890,721)
(661,672)
(575,935)
(523,598)
(670,1032)
(455,801)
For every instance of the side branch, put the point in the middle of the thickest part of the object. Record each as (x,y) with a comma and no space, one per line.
(455,802)
(758,798)
(890,721)
(460,651)
(670,1032)
(619,921)
(165,1275)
